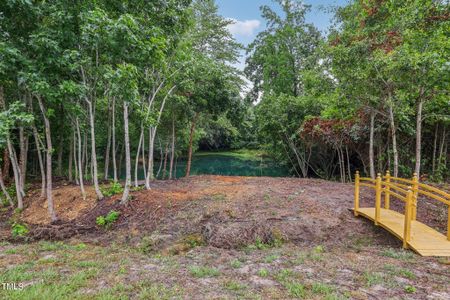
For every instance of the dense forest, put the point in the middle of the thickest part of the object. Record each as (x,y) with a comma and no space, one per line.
(92,91)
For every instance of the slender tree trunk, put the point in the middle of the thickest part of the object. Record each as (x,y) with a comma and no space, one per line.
(85,155)
(49,152)
(60,155)
(172,150)
(70,160)
(41,160)
(371,146)
(113,130)
(191,140)
(436,131)
(93,153)
(75,153)
(349,172)
(419,134)
(108,145)
(126,189)
(138,152)
(143,156)
(6,164)
(16,171)
(151,147)
(441,147)
(80,161)
(4,190)
(23,145)
(165,160)
(161,154)
(394,138)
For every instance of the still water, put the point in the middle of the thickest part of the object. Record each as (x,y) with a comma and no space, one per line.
(223,164)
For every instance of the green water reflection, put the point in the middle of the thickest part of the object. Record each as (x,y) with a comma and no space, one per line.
(228,165)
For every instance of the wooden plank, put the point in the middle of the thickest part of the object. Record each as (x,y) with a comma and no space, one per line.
(424,240)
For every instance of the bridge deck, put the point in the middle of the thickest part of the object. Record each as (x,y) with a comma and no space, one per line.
(424,240)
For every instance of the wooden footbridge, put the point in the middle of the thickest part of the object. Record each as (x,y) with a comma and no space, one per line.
(415,235)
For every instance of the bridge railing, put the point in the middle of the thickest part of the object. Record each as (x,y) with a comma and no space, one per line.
(406,190)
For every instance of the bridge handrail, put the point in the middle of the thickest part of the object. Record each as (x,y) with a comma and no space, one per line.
(410,197)
(422,185)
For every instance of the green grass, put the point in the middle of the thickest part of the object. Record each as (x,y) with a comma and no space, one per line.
(203,271)
(263,273)
(236,264)
(373,278)
(233,285)
(397,271)
(398,254)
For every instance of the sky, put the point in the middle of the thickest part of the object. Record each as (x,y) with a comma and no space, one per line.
(248,20)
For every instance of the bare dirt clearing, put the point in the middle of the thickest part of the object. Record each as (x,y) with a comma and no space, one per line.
(224,237)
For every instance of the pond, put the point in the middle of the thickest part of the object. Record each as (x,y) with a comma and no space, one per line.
(226,163)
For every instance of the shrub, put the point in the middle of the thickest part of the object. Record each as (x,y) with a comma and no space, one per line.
(18,229)
(108,220)
(113,189)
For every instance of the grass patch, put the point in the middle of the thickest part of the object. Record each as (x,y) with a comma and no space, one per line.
(203,271)
(236,264)
(398,254)
(263,273)
(397,271)
(233,285)
(373,278)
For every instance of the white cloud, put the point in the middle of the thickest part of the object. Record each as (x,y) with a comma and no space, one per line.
(244,28)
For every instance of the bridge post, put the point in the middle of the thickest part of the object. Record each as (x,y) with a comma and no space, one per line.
(377,198)
(387,195)
(355,211)
(448,224)
(415,190)
(408,217)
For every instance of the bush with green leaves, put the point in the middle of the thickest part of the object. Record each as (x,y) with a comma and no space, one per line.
(108,220)
(114,189)
(18,229)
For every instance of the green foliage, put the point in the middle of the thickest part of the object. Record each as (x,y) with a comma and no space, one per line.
(410,289)
(203,271)
(19,230)
(113,189)
(108,220)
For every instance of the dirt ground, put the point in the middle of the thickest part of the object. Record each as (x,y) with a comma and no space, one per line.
(214,237)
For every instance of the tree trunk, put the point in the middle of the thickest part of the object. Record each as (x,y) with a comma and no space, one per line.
(60,155)
(80,161)
(70,160)
(93,153)
(113,130)
(436,131)
(165,160)
(394,138)
(441,147)
(419,135)
(16,171)
(23,145)
(160,159)
(108,146)
(143,156)
(172,150)
(41,160)
(49,152)
(6,164)
(75,161)
(5,192)
(349,172)
(138,152)
(191,140)
(126,189)
(151,148)
(371,147)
